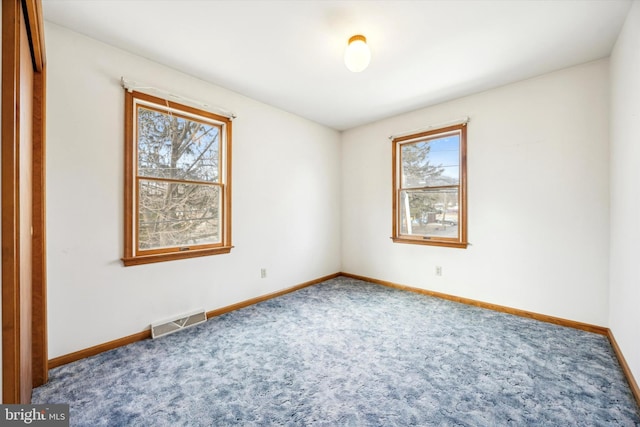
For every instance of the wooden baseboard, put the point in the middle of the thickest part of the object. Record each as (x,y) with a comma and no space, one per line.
(633,385)
(97,349)
(92,351)
(252,301)
(522,313)
(101,348)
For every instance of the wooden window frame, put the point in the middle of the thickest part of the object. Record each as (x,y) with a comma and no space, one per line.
(397,236)
(132,254)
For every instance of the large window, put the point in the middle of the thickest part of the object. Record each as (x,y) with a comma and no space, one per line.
(429,188)
(177,181)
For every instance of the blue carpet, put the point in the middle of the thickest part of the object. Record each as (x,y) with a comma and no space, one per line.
(349,353)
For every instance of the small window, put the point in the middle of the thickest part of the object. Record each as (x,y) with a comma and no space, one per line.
(177,181)
(429,188)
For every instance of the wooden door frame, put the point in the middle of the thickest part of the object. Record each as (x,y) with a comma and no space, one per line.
(12,11)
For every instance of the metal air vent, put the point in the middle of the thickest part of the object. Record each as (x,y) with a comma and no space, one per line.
(166,327)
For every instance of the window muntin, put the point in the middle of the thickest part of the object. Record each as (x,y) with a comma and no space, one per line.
(177,198)
(429,180)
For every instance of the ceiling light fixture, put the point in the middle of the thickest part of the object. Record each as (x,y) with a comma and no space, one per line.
(357,54)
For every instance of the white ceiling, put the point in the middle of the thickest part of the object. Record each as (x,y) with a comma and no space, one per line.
(289,54)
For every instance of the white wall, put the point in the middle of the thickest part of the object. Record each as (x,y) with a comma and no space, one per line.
(624,299)
(537,193)
(286,215)
(538,199)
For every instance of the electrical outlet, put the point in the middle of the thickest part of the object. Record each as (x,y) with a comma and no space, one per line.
(438,270)
(263,273)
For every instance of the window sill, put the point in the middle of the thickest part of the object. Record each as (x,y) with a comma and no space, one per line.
(149,259)
(431,242)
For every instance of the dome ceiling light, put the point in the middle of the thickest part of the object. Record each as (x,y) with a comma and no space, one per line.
(357,54)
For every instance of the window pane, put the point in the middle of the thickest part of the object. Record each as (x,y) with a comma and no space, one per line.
(431,163)
(173,214)
(429,212)
(171,146)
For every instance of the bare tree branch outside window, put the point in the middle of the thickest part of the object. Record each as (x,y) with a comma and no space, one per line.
(179,195)
(177,176)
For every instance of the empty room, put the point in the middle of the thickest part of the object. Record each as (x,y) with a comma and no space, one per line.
(333,213)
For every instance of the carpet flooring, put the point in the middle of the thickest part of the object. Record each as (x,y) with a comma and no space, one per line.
(349,353)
